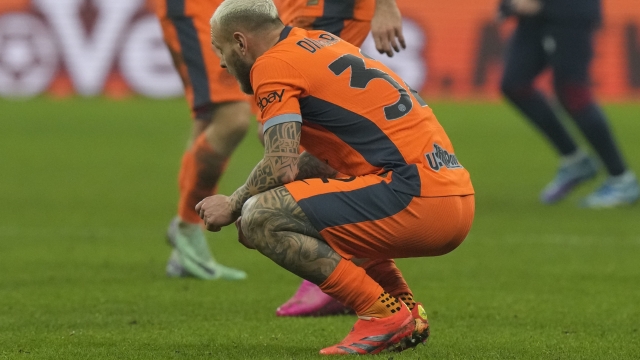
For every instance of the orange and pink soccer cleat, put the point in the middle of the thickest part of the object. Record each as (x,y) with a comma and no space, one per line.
(371,336)
(421,332)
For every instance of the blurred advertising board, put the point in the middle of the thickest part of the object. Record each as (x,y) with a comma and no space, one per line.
(115,48)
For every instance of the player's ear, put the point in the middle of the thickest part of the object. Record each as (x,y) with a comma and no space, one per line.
(240,41)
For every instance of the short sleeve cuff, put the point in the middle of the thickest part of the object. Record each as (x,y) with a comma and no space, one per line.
(280,119)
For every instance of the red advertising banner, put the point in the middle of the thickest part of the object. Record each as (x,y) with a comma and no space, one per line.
(115,48)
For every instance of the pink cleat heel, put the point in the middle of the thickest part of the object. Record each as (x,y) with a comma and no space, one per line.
(309,300)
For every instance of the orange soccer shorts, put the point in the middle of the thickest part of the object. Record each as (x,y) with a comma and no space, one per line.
(185,25)
(363,217)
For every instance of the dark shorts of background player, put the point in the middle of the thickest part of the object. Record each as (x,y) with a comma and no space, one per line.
(537,44)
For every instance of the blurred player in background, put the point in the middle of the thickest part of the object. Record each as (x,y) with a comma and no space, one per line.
(351,20)
(221,115)
(559,34)
(406,195)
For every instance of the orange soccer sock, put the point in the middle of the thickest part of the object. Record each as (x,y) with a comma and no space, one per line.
(385,305)
(199,174)
(407,299)
(351,285)
(386,273)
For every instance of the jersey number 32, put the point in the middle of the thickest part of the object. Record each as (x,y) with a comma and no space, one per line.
(361,76)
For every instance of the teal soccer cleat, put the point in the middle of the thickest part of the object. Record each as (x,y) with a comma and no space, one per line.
(191,256)
(568,178)
(616,191)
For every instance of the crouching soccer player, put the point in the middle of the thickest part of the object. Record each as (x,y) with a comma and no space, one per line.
(407,194)
(351,21)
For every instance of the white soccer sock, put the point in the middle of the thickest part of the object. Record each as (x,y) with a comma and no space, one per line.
(572,159)
(623,178)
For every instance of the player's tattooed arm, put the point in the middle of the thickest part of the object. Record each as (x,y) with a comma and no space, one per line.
(279,165)
(310,166)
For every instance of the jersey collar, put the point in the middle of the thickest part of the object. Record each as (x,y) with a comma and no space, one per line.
(285,33)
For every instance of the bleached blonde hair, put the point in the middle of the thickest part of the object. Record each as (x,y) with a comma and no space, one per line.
(248,14)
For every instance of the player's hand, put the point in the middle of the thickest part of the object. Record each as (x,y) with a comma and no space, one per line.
(241,238)
(216,212)
(526,7)
(386,27)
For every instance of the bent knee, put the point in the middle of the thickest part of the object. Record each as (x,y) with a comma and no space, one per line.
(242,121)
(239,116)
(258,218)
(250,218)
(574,96)
(235,116)
(268,214)
(516,90)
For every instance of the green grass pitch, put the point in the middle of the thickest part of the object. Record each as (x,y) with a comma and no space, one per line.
(87,188)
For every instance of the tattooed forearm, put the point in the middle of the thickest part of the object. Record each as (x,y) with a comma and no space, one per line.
(278,167)
(310,166)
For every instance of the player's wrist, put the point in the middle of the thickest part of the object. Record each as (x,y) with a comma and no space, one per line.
(385,5)
(236,202)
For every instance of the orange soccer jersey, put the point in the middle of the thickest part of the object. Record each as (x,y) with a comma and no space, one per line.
(358,116)
(408,195)
(348,19)
(342,9)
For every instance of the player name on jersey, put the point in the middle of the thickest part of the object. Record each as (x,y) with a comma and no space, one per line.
(313,45)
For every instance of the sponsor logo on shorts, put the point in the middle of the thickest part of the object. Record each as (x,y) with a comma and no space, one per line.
(271,97)
(440,157)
